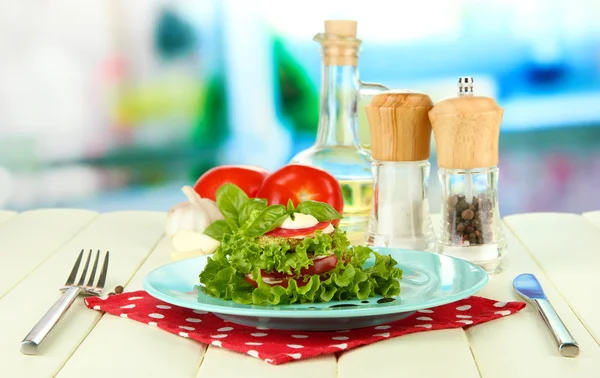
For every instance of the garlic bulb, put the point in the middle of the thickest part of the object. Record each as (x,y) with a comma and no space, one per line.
(196,214)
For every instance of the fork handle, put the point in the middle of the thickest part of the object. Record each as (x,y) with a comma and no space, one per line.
(34,338)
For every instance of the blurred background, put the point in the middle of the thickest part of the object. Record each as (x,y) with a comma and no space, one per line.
(112,105)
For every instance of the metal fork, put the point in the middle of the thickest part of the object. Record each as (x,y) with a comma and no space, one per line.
(70,290)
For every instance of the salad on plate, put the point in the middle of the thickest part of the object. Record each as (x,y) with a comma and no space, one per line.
(277,255)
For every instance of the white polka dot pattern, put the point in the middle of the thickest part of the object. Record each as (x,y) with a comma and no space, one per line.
(278,346)
(340,338)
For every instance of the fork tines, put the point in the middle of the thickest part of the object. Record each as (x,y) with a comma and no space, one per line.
(89,286)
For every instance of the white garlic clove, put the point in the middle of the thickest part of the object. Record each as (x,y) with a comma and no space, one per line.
(196,214)
(187,240)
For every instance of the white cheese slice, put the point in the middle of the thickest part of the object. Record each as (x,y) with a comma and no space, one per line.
(300,221)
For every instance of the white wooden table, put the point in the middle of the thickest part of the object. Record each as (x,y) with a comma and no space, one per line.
(37,250)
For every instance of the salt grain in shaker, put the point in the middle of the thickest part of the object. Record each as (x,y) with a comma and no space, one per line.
(400,143)
(466,130)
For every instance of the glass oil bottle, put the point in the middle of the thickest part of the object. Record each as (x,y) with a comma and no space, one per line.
(400,146)
(466,130)
(338,148)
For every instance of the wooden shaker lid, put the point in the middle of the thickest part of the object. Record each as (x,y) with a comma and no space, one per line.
(466,131)
(400,126)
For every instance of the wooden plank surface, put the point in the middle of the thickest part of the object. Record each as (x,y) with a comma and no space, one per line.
(29,238)
(516,346)
(6,215)
(129,236)
(566,247)
(521,345)
(498,346)
(135,349)
(223,363)
(593,217)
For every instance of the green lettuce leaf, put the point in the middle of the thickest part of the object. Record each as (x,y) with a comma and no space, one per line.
(239,255)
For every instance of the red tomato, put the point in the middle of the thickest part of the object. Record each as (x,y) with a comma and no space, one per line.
(287,233)
(248,178)
(320,266)
(301,183)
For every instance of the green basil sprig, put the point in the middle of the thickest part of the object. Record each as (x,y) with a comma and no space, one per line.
(270,218)
(320,210)
(249,206)
(291,209)
(230,199)
(218,229)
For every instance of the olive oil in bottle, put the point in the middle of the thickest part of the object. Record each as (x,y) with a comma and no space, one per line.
(338,148)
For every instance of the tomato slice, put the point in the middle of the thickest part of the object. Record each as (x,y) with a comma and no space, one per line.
(320,265)
(288,233)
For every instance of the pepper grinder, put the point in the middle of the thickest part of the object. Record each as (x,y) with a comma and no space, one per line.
(400,143)
(466,129)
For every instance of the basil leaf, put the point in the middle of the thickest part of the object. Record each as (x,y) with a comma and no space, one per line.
(320,210)
(291,209)
(232,224)
(218,229)
(270,218)
(230,199)
(252,204)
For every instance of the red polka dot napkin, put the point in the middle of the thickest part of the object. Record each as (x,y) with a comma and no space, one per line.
(277,347)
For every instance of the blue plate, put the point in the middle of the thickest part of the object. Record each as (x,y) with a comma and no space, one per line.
(429,280)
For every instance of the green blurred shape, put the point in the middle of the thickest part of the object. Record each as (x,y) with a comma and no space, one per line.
(211,126)
(173,36)
(297,96)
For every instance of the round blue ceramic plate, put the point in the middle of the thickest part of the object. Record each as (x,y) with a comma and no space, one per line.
(429,280)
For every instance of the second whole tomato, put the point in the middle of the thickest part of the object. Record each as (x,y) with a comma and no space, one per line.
(247,178)
(302,183)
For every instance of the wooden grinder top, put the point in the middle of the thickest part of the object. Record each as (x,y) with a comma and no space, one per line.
(466,130)
(400,126)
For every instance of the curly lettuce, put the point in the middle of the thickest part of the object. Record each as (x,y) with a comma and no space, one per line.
(243,251)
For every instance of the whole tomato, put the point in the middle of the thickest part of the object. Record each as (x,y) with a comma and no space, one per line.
(248,178)
(301,183)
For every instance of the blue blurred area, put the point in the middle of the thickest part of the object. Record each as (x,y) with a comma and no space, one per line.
(114,106)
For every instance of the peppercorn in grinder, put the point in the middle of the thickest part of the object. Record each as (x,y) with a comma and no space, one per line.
(466,130)
(400,144)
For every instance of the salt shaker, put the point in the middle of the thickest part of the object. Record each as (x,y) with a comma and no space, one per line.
(400,146)
(466,130)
